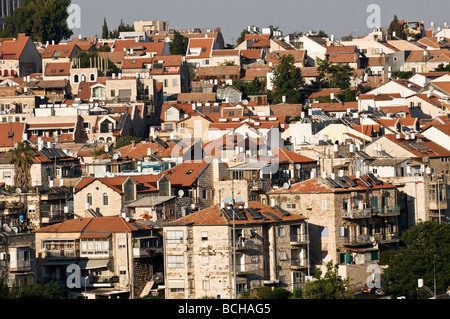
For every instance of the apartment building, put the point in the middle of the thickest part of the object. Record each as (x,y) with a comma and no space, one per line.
(208,253)
(351,219)
(116,257)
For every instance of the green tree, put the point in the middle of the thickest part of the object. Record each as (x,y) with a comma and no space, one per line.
(43,20)
(322,34)
(442,68)
(22,157)
(334,75)
(396,27)
(254,87)
(425,255)
(5,293)
(179,44)
(330,286)
(287,81)
(105,31)
(242,36)
(122,141)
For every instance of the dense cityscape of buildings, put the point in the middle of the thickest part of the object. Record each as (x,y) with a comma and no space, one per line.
(163,178)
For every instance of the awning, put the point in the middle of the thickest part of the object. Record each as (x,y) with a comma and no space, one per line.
(95,264)
(96,235)
(175,283)
(60,262)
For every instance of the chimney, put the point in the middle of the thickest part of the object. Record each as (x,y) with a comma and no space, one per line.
(133,144)
(358,174)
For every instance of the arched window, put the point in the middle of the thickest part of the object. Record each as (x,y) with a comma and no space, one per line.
(76,78)
(92,77)
(12,72)
(6,73)
(109,139)
(101,140)
(1,72)
(89,198)
(105,199)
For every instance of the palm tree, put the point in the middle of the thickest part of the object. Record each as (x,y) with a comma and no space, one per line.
(22,158)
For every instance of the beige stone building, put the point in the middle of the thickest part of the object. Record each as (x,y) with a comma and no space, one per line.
(270,249)
(115,258)
(351,220)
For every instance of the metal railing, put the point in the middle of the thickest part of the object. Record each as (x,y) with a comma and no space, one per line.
(358,213)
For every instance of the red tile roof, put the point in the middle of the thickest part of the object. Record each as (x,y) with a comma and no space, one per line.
(12,50)
(206,46)
(291,157)
(185,174)
(57,69)
(215,216)
(108,224)
(148,182)
(65,50)
(320,185)
(426,146)
(17,130)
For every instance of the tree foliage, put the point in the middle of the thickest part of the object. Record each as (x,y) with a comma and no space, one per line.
(50,290)
(425,255)
(22,157)
(265,292)
(330,286)
(105,30)
(242,36)
(179,44)
(114,34)
(396,27)
(334,75)
(442,68)
(43,20)
(287,81)
(254,87)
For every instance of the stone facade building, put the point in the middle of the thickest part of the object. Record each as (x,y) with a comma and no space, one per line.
(269,247)
(351,220)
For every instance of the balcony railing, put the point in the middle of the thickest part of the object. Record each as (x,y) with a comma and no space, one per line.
(358,213)
(388,211)
(299,263)
(62,253)
(298,239)
(359,240)
(246,245)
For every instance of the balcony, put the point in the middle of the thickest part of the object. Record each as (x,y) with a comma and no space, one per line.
(298,239)
(297,264)
(242,245)
(387,211)
(67,253)
(99,281)
(357,213)
(360,240)
(391,237)
(147,252)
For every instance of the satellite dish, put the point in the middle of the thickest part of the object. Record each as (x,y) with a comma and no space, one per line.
(18,190)
(286,186)
(372,239)
(298,166)
(167,39)
(181,193)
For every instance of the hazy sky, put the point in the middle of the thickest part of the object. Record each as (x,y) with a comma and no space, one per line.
(340,17)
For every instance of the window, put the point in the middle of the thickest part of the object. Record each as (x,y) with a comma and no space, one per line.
(204,235)
(345,204)
(291,206)
(175,261)
(174,82)
(105,199)
(323,204)
(94,246)
(76,78)
(175,286)
(205,260)
(122,270)
(92,77)
(174,236)
(121,243)
(280,231)
(113,93)
(204,194)
(206,283)
(89,198)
